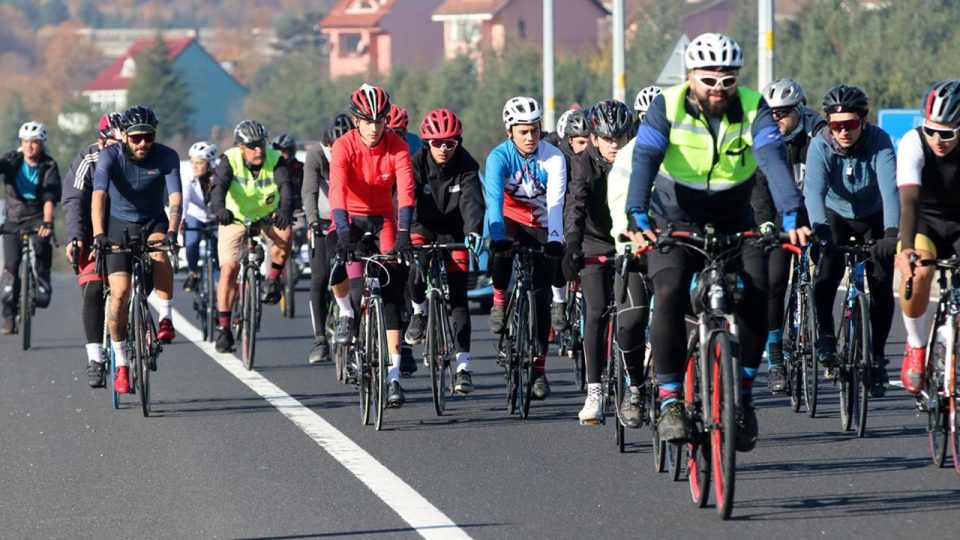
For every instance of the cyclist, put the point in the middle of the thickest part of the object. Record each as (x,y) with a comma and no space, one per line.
(368,164)
(798,125)
(524,190)
(588,225)
(317,208)
(77,192)
(250,183)
(573,133)
(642,102)
(850,191)
(33,189)
(701,142)
(134,175)
(619,174)
(449,208)
(928,174)
(397,121)
(287,146)
(203,158)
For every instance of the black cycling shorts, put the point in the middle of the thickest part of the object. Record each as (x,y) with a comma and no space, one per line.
(121,262)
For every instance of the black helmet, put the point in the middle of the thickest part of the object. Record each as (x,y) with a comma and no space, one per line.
(941,103)
(138,119)
(611,118)
(249,132)
(284,142)
(576,125)
(845,98)
(339,127)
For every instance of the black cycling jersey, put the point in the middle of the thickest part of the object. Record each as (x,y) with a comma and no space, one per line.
(587,220)
(449,198)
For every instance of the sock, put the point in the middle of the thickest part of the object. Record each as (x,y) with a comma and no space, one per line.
(594,387)
(669,388)
(635,390)
(917,328)
(223,318)
(394,373)
(747,375)
(275,270)
(773,336)
(539,366)
(499,297)
(94,354)
(119,353)
(346,307)
(419,309)
(463,361)
(165,308)
(559,294)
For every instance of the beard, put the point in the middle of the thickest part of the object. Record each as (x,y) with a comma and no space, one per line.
(714,110)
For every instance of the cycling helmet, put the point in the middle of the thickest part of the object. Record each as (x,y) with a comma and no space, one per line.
(397,118)
(611,118)
(577,124)
(784,93)
(942,103)
(33,131)
(713,50)
(845,98)
(284,142)
(521,110)
(645,97)
(441,124)
(204,150)
(249,132)
(139,119)
(370,103)
(109,126)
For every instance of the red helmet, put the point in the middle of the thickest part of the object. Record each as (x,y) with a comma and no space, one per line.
(109,126)
(370,102)
(397,118)
(441,124)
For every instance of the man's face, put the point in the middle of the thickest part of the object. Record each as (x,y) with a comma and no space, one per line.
(526,137)
(846,128)
(139,143)
(577,144)
(608,147)
(713,98)
(371,131)
(941,137)
(786,118)
(254,153)
(31,149)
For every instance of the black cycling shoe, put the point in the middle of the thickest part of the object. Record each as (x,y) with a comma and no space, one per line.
(320,353)
(224,339)
(630,411)
(497,314)
(190,283)
(416,329)
(408,364)
(395,396)
(463,382)
(748,430)
(95,372)
(878,381)
(558,315)
(271,291)
(540,389)
(777,379)
(826,347)
(673,426)
(9,326)
(344,332)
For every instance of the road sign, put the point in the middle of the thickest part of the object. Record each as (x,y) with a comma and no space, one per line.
(897,122)
(673,71)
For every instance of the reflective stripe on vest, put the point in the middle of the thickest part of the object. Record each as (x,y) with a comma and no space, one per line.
(691,159)
(249,197)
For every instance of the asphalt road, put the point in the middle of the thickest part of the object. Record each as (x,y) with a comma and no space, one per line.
(281,454)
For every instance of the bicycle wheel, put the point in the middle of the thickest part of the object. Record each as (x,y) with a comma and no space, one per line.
(792,350)
(114,397)
(698,449)
(140,352)
(938,423)
(364,380)
(660,452)
(289,288)
(575,312)
(937,429)
(529,351)
(249,319)
(845,378)
(810,368)
(26,300)
(506,358)
(433,353)
(723,385)
(861,368)
(380,360)
(211,303)
(619,386)
(953,417)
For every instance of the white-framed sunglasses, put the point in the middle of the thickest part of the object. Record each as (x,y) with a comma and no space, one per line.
(945,135)
(711,81)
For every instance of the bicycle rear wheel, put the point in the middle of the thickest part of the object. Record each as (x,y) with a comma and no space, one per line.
(861,373)
(575,320)
(140,352)
(723,385)
(211,305)
(251,295)
(26,301)
(289,288)
(938,423)
(808,335)
(698,448)
(379,360)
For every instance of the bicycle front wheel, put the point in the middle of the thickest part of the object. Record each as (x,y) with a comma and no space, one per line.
(862,367)
(810,368)
(575,312)
(140,353)
(619,384)
(364,372)
(723,385)
(251,295)
(528,349)
(379,359)
(793,351)
(26,301)
(434,352)
(289,288)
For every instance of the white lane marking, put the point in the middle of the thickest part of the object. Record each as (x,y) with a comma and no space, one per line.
(412,507)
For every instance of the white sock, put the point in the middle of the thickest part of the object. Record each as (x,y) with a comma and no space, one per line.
(463,361)
(346,308)
(419,309)
(594,387)
(917,329)
(394,373)
(559,294)
(165,308)
(119,353)
(94,354)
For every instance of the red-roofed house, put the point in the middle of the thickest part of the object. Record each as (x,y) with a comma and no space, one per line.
(375,35)
(217,98)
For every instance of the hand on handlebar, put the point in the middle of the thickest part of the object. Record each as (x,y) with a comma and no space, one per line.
(100,243)
(45,230)
(74,246)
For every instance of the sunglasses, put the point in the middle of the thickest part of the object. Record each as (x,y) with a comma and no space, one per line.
(782,112)
(711,82)
(444,144)
(137,138)
(254,145)
(845,125)
(944,134)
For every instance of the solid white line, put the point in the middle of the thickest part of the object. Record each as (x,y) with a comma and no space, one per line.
(412,507)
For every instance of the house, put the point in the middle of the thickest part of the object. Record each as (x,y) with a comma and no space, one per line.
(217,98)
(376,35)
(470,26)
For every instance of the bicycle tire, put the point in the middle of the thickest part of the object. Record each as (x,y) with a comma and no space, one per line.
(862,367)
(505,355)
(937,429)
(660,452)
(953,414)
(364,380)
(521,348)
(432,352)
(619,386)
(723,386)
(792,344)
(249,319)
(575,319)
(140,361)
(26,293)
(531,351)
(114,396)
(937,420)
(698,448)
(811,368)
(211,304)
(380,360)
(290,288)
(845,378)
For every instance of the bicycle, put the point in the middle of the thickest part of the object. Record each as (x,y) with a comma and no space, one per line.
(293,267)
(205,296)
(570,341)
(248,307)
(29,279)
(800,337)
(940,396)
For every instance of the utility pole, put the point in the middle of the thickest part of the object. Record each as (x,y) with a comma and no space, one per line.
(549,101)
(619,77)
(765,43)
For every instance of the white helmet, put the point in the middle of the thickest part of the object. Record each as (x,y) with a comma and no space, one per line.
(521,110)
(33,131)
(713,50)
(562,123)
(204,150)
(645,98)
(784,93)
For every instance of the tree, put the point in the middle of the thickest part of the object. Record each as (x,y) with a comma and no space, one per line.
(159,84)
(52,13)
(90,13)
(12,117)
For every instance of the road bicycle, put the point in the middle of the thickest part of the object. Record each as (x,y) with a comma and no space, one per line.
(29,279)
(205,295)
(248,307)
(800,337)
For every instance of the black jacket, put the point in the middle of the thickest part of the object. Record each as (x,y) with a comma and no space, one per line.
(20,209)
(449,198)
(77,194)
(316,176)
(586,217)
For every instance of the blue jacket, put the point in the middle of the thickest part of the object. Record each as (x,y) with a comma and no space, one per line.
(855,183)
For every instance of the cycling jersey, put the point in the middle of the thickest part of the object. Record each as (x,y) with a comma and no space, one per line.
(587,221)
(197,196)
(25,199)
(362,179)
(449,197)
(136,188)
(77,191)
(938,177)
(316,172)
(527,190)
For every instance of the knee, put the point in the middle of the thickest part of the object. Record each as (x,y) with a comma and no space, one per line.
(93,291)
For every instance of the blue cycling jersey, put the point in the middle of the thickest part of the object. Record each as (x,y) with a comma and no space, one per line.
(137,188)
(27,181)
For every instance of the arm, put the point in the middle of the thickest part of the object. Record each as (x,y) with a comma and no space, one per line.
(909,202)
(575,206)
(98,201)
(493,181)
(771,156)
(339,173)
(556,167)
(52,190)
(311,184)
(762,201)
(816,183)
(910,163)
(174,192)
(281,176)
(220,183)
(73,194)
(175,203)
(618,182)
(652,140)
(887,181)
(471,199)
(405,200)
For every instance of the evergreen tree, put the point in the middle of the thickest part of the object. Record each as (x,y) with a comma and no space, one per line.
(12,117)
(157,83)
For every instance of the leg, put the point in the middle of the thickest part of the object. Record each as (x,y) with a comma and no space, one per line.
(163,284)
(319,295)
(595,284)
(92,313)
(229,248)
(10,281)
(632,316)
(191,245)
(281,242)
